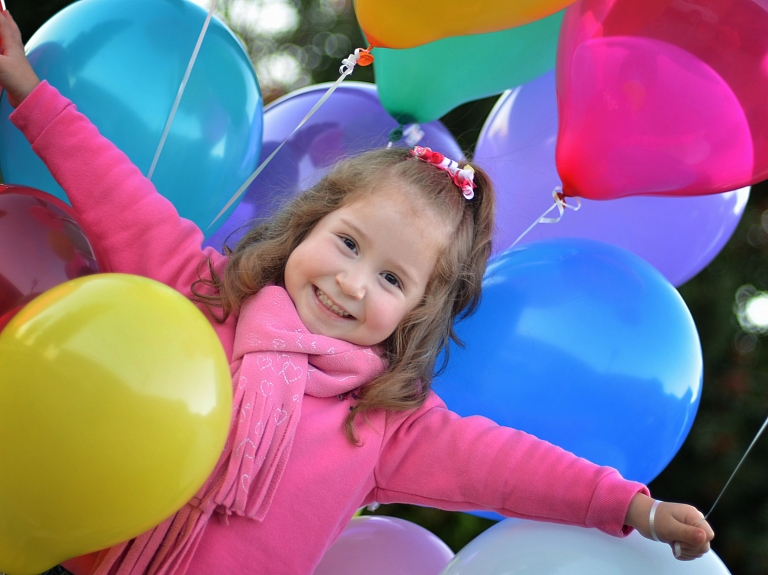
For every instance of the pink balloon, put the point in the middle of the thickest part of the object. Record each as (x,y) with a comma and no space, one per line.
(662,97)
(378,545)
(678,236)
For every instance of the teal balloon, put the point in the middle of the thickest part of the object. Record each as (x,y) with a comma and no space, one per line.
(121,62)
(421,84)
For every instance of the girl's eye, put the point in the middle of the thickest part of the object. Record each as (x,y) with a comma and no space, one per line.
(392,279)
(349,243)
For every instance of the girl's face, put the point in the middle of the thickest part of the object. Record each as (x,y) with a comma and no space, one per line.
(365,266)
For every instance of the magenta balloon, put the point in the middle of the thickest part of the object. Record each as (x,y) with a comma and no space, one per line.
(378,545)
(677,235)
(41,246)
(662,97)
(351,121)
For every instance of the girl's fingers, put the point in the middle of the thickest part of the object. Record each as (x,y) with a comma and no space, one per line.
(693,536)
(689,527)
(8,26)
(5,30)
(686,552)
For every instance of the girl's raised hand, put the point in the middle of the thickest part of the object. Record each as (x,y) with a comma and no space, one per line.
(680,525)
(16,74)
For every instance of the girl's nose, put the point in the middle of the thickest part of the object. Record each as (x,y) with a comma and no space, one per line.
(351,284)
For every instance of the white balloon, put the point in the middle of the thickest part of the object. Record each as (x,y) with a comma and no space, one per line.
(534,548)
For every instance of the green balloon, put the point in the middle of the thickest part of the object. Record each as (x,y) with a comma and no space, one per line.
(421,84)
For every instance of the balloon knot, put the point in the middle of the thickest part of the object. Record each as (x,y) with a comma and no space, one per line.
(396,135)
(365,58)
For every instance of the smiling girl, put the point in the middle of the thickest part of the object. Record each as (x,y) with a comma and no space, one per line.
(332,314)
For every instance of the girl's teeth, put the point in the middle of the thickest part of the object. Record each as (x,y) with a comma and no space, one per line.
(330,305)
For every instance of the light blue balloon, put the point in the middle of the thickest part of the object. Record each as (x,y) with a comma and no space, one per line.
(121,62)
(585,345)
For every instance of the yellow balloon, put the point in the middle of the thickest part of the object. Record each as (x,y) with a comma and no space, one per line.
(404,24)
(115,403)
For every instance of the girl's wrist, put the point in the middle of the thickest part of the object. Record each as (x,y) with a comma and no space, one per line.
(24,89)
(638,513)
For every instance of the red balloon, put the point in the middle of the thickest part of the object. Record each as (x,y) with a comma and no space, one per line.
(662,97)
(41,246)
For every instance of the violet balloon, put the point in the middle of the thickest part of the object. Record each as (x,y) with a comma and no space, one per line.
(351,121)
(378,545)
(679,236)
(41,246)
(662,97)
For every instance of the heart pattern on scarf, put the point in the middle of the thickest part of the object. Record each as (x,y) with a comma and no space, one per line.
(269,333)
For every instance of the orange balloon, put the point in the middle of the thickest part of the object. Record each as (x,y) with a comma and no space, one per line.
(403,24)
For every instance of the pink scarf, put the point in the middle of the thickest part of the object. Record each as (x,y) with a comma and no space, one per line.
(275,362)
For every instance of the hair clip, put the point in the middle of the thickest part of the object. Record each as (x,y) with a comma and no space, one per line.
(464,177)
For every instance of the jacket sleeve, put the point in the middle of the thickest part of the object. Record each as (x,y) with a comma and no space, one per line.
(436,458)
(134,228)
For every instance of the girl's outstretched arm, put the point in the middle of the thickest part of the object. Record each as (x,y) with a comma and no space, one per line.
(434,457)
(682,526)
(16,74)
(136,230)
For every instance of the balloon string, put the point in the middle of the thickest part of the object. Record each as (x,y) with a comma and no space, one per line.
(559,198)
(180,93)
(347,67)
(743,457)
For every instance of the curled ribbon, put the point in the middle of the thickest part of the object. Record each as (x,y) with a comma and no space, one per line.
(360,56)
(560,204)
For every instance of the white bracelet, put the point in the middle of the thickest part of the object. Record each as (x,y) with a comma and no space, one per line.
(651,517)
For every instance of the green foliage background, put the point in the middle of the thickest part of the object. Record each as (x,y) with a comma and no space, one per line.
(735,399)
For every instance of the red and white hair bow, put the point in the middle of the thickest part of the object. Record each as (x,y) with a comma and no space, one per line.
(464,177)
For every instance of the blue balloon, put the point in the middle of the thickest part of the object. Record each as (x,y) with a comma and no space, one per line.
(122,62)
(351,121)
(585,345)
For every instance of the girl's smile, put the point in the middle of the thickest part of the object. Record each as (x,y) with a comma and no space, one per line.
(364,267)
(326,301)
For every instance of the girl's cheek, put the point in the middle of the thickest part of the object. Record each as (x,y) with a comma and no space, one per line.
(385,317)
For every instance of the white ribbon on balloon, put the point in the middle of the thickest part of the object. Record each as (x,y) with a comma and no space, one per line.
(560,204)
(347,67)
(180,93)
(743,457)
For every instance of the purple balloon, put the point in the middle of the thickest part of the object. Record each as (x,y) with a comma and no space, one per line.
(378,545)
(678,236)
(351,121)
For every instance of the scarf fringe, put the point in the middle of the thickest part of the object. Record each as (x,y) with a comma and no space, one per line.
(271,370)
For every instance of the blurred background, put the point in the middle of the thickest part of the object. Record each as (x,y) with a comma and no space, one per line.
(296,43)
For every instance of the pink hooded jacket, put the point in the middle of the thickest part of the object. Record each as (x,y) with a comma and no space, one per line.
(429,456)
